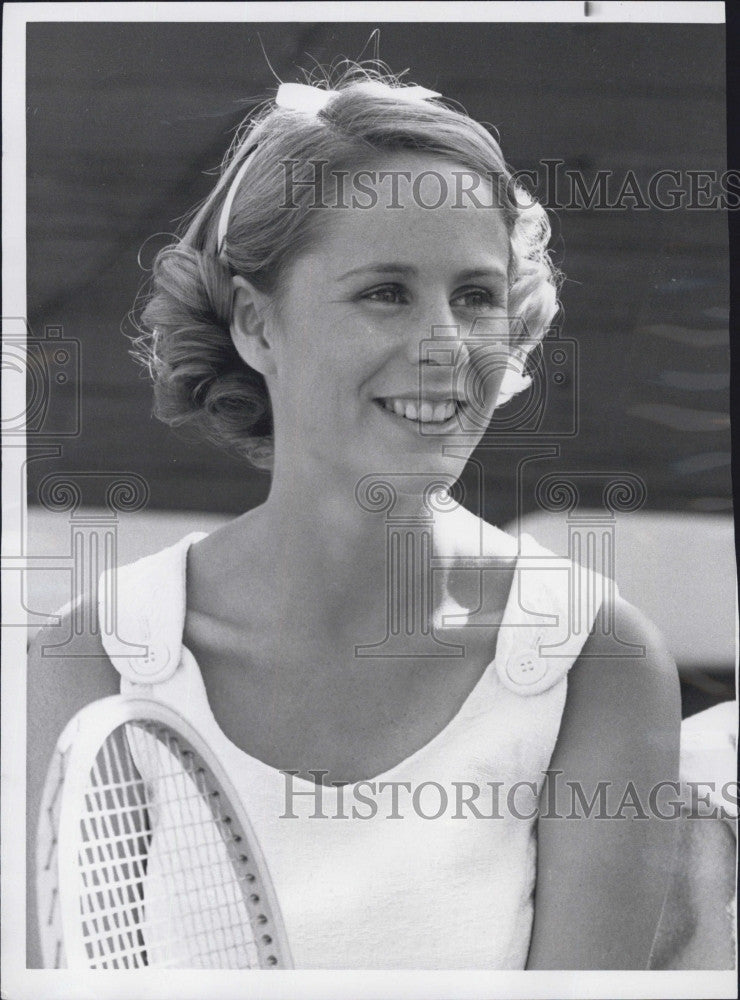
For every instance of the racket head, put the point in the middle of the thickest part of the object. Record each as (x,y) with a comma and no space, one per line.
(145,854)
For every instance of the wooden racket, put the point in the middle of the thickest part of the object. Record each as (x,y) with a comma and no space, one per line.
(145,855)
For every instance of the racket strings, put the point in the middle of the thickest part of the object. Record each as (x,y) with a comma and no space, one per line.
(198,863)
(112,859)
(164,874)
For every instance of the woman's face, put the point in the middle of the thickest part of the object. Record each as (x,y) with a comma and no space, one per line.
(357,383)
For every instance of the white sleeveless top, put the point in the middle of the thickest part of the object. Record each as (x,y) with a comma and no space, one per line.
(430,864)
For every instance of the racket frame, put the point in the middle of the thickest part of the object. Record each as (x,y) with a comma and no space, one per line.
(60,924)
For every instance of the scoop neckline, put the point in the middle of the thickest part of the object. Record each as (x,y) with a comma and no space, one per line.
(409,760)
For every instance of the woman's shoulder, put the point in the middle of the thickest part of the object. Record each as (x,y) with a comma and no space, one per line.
(613,631)
(625,686)
(623,635)
(67,664)
(618,654)
(73,661)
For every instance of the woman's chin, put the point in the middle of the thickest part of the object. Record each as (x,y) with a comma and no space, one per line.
(417,464)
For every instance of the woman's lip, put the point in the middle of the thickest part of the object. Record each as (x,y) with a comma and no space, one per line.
(445,398)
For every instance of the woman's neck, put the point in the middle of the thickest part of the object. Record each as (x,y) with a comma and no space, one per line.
(348,533)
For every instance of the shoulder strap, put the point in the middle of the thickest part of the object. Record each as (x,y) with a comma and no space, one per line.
(549,615)
(550,612)
(141,610)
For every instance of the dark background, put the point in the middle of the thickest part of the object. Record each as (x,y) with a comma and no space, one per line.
(127,122)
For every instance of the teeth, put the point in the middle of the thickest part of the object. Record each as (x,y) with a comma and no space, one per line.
(443,411)
(426,412)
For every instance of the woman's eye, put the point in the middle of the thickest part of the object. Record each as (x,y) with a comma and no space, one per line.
(389,294)
(480,299)
(477,298)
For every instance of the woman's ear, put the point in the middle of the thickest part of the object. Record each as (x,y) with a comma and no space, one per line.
(250,332)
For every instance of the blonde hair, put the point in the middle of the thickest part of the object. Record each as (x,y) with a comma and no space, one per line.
(185,340)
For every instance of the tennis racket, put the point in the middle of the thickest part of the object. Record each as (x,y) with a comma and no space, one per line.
(145,856)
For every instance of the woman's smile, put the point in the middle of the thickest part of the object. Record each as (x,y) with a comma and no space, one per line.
(422,411)
(423,417)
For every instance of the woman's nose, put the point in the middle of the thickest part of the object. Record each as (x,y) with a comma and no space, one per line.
(435,320)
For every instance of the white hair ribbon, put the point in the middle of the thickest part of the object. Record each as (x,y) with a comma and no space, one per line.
(223,219)
(301,97)
(309,101)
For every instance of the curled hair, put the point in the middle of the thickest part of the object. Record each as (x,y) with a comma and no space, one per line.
(199,378)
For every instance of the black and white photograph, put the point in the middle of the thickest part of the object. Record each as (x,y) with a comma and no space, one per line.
(369,568)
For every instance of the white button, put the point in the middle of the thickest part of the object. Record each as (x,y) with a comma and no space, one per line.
(154,662)
(525,667)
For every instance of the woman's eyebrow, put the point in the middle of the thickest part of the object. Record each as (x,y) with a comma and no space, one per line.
(390,268)
(483,272)
(407,269)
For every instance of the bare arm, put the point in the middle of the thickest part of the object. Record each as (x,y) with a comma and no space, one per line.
(58,686)
(601,881)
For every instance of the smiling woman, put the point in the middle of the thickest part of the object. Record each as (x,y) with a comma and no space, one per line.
(362,627)
(284,188)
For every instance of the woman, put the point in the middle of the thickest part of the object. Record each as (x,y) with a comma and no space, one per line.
(348,308)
